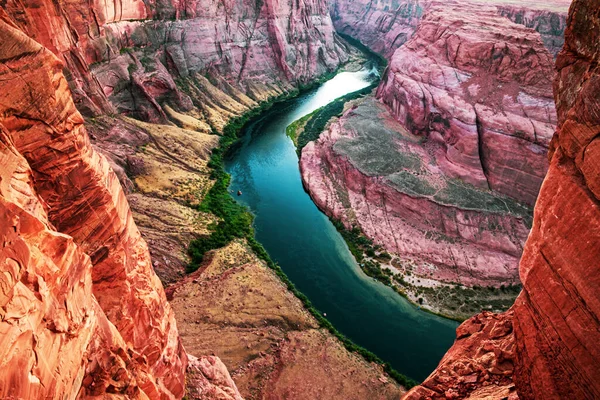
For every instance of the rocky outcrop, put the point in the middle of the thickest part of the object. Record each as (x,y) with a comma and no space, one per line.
(128,55)
(556,316)
(480,364)
(555,319)
(382,26)
(549,19)
(385,25)
(234,306)
(481,86)
(67,234)
(368,171)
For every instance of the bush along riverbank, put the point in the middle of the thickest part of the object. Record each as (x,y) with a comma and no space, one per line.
(236,222)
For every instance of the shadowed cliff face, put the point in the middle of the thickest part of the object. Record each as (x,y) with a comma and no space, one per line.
(556,316)
(555,319)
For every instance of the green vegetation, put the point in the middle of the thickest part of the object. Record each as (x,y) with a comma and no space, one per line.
(360,245)
(236,222)
(383,62)
(315,122)
(235,219)
(293,129)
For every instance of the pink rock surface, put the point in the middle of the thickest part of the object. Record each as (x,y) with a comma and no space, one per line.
(68,233)
(555,319)
(446,239)
(256,46)
(385,25)
(481,85)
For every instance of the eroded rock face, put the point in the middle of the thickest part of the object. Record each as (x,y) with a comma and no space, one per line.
(480,364)
(385,25)
(382,25)
(68,233)
(556,316)
(368,171)
(555,319)
(234,306)
(480,85)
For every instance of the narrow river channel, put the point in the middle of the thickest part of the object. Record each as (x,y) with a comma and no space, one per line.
(298,236)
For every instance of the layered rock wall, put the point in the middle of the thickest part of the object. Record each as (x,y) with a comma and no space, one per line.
(555,319)
(480,85)
(127,55)
(385,25)
(67,234)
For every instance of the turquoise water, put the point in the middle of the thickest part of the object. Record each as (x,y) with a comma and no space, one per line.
(298,236)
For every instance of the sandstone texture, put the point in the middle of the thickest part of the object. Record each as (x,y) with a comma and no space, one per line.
(191,65)
(382,26)
(83,313)
(555,319)
(481,86)
(368,171)
(237,309)
(445,175)
(556,316)
(157,82)
(385,25)
(480,364)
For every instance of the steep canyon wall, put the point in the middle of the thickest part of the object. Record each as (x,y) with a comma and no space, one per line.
(452,190)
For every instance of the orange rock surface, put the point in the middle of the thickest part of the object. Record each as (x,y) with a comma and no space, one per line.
(82,310)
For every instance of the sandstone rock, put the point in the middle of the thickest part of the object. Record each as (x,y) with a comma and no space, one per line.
(368,171)
(555,319)
(556,316)
(385,25)
(237,308)
(120,54)
(482,86)
(78,238)
(479,365)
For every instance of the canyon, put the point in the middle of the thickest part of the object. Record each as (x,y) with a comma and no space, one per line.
(550,334)
(443,167)
(109,115)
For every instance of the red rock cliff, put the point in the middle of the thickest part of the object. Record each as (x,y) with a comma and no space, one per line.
(127,55)
(555,319)
(557,316)
(83,313)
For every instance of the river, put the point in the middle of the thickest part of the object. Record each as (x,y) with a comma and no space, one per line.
(302,240)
